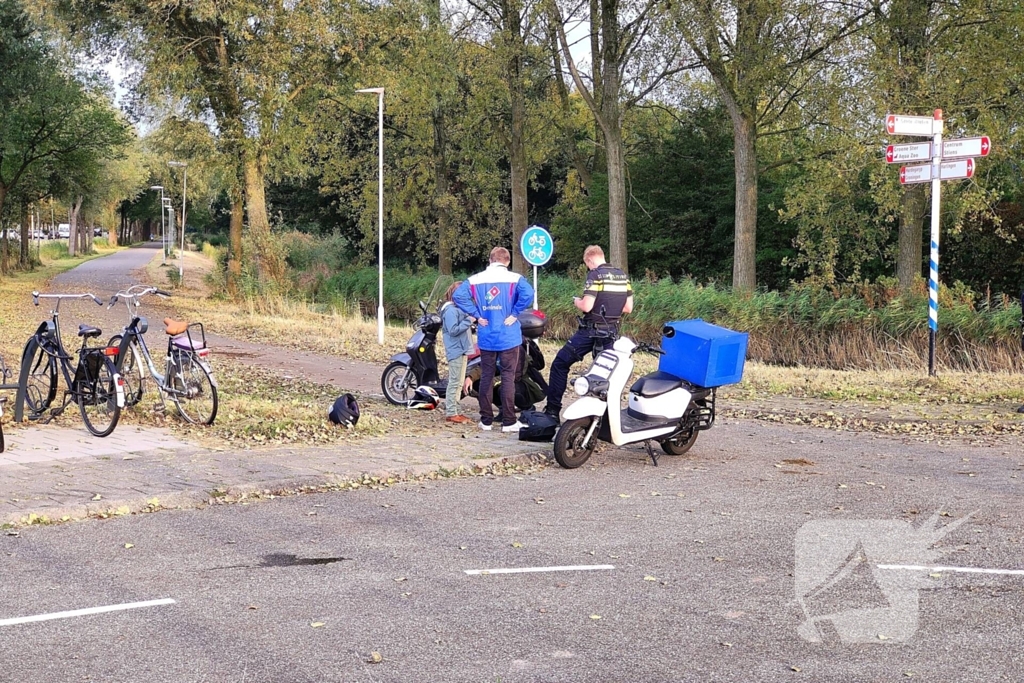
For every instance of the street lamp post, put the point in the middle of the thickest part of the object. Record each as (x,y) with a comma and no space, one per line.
(163,231)
(380,210)
(184,192)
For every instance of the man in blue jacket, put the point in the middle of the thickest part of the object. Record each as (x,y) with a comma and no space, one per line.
(496,297)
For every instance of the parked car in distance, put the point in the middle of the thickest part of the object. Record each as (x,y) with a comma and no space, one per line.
(64,230)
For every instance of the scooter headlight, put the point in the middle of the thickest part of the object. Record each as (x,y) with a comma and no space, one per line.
(581,386)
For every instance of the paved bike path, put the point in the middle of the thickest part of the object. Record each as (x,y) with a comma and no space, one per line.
(59,470)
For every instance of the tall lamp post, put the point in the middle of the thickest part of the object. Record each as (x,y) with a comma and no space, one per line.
(380,210)
(163,231)
(184,191)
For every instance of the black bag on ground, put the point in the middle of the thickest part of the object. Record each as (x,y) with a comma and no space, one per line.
(345,411)
(539,426)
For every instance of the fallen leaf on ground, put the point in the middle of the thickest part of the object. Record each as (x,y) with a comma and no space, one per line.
(129,545)
(595,617)
(650,578)
(375,658)
(317,624)
(97,497)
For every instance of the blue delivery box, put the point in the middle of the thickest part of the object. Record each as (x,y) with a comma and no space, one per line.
(706,355)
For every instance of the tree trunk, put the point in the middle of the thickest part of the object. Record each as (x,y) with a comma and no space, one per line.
(596,20)
(908,260)
(72,230)
(744,264)
(517,139)
(235,244)
(611,115)
(269,264)
(23,253)
(618,254)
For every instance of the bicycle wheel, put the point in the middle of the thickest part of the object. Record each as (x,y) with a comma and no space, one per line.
(129,364)
(192,390)
(41,383)
(97,399)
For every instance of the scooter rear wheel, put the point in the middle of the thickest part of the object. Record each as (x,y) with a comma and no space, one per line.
(398,382)
(680,443)
(570,452)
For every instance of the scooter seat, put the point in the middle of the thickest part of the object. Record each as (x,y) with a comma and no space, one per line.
(655,384)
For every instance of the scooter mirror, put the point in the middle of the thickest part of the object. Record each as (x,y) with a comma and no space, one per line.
(423,307)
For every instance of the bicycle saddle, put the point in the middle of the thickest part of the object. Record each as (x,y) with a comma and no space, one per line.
(88,331)
(175,327)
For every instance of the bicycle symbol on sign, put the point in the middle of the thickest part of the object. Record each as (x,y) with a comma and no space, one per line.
(537,254)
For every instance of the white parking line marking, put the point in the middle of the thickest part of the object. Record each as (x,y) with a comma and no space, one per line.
(963,570)
(528,570)
(83,612)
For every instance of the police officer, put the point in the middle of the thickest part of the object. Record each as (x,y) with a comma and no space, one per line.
(606,296)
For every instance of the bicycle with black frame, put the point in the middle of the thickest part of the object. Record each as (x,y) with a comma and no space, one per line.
(5,377)
(92,382)
(187,378)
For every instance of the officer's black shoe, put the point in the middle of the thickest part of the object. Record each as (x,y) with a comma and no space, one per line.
(1021,409)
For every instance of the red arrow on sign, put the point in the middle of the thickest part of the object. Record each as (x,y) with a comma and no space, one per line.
(970,165)
(985,145)
(888,154)
(890,123)
(903,175)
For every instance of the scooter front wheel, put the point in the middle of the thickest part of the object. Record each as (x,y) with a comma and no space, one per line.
(398,382)
(570,449)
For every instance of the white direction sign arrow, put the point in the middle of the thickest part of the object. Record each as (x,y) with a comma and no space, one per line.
(949,170)
(895,154)
(909,125)
(966,147)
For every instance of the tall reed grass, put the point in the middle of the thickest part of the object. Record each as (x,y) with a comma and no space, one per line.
(805,326)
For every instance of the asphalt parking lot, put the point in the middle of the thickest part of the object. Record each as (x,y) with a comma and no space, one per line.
(763,555)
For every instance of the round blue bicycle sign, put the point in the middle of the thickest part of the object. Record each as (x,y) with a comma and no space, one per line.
(537,245)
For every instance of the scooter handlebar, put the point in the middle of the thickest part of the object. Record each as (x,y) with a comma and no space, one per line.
(649,348)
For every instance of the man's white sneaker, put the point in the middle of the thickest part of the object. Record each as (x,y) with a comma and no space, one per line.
(484,427)
(515,427)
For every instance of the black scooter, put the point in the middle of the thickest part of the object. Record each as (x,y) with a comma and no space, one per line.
(417,366)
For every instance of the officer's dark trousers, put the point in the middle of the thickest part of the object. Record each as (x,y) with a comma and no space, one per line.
(575,350)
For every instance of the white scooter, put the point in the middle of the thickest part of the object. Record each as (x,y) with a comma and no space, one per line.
(661,408)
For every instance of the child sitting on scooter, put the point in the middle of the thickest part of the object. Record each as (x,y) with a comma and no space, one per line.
(455,332)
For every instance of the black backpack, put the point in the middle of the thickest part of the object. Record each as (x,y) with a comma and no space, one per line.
(539,426)
(345,411)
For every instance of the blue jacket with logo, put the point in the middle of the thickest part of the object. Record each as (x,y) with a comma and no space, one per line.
(495,294)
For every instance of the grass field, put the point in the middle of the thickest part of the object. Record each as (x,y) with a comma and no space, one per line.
(258,408)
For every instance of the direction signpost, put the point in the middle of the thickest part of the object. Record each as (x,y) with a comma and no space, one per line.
(961,150)
(538,248)
(920,151)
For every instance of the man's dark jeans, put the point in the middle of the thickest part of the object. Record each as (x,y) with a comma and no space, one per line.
(509,360)
(575,350)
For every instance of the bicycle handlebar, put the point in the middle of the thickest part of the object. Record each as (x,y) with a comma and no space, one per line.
(136,292)
(36,296)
